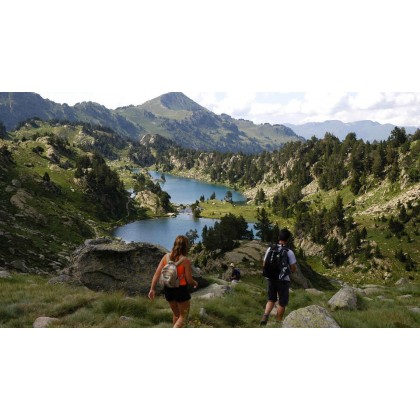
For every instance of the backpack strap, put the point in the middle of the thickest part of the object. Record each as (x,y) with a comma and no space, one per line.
(180,261)
(168,259)
(284,250)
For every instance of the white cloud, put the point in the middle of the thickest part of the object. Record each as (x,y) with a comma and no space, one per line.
(393,108)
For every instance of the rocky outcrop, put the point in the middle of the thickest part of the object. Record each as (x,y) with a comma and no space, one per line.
(345,298)
(106,264)
(20,200)
(248,258)
(310,317)
(411,195)
(149,200)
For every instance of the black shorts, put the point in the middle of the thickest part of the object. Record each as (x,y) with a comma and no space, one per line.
(178,294)
(280,289)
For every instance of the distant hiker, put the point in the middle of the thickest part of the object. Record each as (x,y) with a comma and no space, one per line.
(235,274)
(177,297)
(279,261)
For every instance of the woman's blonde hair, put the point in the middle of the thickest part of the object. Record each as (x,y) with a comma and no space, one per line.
(180,248)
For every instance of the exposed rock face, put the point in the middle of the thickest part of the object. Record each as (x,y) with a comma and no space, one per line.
(411,195)
(20,200)
(346,298)
(105,264)
(310,317)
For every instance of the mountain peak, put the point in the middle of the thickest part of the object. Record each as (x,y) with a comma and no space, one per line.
(177,101)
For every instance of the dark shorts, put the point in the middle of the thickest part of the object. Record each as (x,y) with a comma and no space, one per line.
(179,294)
(278,289)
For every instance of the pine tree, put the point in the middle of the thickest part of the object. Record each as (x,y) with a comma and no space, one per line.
(263,227)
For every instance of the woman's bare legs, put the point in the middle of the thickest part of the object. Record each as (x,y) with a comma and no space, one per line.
(183,309)
(175,312)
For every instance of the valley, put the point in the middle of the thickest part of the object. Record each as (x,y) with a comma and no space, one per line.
(353,206)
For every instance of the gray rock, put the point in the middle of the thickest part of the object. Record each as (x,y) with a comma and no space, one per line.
(310,317)
(415,310)
(299,279)
(44,322)
(345,298)
(403,297)
(203,313)
(314,292)
(61,279)
(105,264)
(384,299)
(402,282)
(373,291)
(373,286)
(360,292)
(16,183)
(4,274)
(212,291)
(20,266)
(125,318)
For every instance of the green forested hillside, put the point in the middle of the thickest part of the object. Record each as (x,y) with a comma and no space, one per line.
(353,206)
(56,189)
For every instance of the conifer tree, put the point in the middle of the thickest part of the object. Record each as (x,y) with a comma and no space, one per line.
(264,226)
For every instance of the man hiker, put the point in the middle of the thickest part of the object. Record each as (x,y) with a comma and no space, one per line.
(279,262)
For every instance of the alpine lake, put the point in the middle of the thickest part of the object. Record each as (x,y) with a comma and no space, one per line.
(183,191)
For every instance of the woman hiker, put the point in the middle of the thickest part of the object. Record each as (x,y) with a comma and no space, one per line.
(178,298)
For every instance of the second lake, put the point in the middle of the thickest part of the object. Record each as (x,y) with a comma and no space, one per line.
(163,231)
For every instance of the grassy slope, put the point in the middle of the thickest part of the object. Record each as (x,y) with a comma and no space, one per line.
(69,216)
(23,298)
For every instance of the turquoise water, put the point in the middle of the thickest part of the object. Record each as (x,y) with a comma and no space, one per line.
(163,231)
(188,191)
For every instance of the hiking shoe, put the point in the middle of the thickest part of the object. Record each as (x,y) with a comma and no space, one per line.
(264,320)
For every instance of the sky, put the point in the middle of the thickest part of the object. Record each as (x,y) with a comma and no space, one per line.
(313,61)
(397,108)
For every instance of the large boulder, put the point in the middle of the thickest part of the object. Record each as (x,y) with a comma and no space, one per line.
(345,298)
(310,317)
(106,265)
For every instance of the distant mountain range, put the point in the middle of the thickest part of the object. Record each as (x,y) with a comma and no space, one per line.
(172,115)
(366,130)
(177,117)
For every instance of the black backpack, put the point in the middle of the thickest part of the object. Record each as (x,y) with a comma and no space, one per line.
(276,265)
